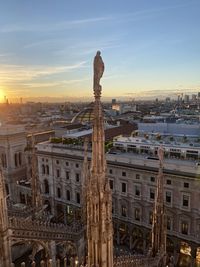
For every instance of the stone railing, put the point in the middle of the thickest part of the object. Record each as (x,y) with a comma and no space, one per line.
(44,230)
(50,263)
(122,261)
(135,261)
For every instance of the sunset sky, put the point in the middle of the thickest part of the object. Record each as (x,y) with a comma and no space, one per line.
(151,48)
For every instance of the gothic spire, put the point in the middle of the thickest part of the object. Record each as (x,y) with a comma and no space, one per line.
(99,199)
(5,249)
(159,220)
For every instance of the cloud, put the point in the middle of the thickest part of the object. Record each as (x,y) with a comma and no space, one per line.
(54,84)
(20,73)
(70,24)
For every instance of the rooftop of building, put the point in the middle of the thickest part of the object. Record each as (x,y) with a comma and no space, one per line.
(184,167)
(157,140)
(6,129)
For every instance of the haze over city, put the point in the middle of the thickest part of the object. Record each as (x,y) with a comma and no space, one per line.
(151,48)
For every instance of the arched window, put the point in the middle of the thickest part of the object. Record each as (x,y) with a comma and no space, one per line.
(46,186)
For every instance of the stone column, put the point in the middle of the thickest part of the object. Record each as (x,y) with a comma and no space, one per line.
(52,252)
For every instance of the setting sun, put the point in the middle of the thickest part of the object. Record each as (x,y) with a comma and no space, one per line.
(1,95)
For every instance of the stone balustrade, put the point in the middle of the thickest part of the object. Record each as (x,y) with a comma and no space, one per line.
(135,261)
(73,262)
(44,230)
(121,261)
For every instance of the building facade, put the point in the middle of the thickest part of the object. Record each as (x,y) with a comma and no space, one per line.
(132,180)
(12,145)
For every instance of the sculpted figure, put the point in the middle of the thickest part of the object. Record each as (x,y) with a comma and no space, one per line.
(161,153)
(98,72)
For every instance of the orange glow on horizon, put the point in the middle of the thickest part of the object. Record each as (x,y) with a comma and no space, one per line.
(1,96)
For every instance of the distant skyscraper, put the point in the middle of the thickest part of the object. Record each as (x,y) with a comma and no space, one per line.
(194,97)
(114,101)
(186,98)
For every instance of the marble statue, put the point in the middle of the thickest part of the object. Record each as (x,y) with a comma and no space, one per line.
(98,72)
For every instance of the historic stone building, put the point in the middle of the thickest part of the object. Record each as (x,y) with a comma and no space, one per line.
(133,182)
(12,145)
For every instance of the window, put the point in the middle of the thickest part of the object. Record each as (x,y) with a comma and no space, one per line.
(168,223)
(123,173)
(68,195)
(77,177)
(184,227)
(152,194)
(168,182)
(57,161)
(67,163)
(137,190)
(123,187)
(137,214)
(22,198)
(110,171)
(186,200)
(43,159)
(137,176)
(168,197)
(20,158)
(29,160)
(152,179)
(47,169)
(43,169)
(46,186)
(113,209)
(78,200)
(150,217)
(7,189)
(16,161)
(58,173)
(4,160)
(124,211)
(77,165)
(186,185)
(111,184)
(58,192)
(67,175)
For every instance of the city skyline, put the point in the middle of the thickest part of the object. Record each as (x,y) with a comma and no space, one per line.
(150,49)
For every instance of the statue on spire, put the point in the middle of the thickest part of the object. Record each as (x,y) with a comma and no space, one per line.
(161,155)
(98,73)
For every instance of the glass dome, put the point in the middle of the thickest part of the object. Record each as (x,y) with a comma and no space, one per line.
(87,115)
